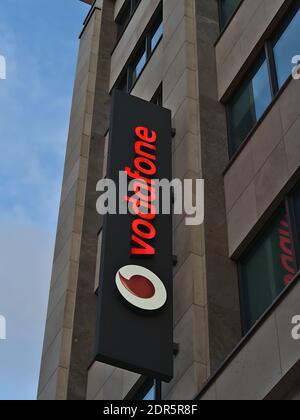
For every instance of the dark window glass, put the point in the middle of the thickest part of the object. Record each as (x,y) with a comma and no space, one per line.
(123,83)
(249,104)
(158,97)
(124,18)
(135,4)
(286,46)
(267,269)
(227,9)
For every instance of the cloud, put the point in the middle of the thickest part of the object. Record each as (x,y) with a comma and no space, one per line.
(24,275)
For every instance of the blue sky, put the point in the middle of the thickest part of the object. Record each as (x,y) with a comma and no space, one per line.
(39,40)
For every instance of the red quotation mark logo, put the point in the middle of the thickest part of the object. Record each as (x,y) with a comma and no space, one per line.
(141,287)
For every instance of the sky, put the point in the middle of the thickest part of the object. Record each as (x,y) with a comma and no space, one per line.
(39,40)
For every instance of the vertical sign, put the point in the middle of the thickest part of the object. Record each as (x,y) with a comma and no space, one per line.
(135,311)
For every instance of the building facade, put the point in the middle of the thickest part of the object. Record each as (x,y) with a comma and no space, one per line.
(227,71)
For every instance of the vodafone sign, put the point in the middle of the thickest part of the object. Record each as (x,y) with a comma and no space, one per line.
(135,309)
(141,288)
(143,229)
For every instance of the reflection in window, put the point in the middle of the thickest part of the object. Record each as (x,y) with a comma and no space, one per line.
(285,48)
(139,64)
(296,216)
(267,269)
(249,104)
(156,36)
(150,396)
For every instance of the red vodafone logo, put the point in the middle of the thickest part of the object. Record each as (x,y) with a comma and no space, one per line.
(141,287)
(143,227)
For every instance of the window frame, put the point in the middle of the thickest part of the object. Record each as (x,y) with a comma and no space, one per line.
(268,50)
(287,204)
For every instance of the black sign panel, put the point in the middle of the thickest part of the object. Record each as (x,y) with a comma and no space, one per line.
(135,313)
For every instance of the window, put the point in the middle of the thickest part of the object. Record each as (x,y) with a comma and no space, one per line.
(138,64)
(125,15)
(123,83)
(296,221)
(286,46)
(158,97)
(153,391)
(270,264)
(145,49)
(272,69)
(150,396)
(249,104)
(156,34)
(145,389)
(123,19)
(227,9)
